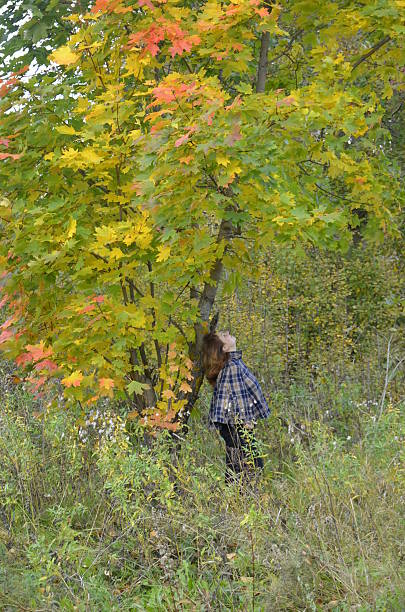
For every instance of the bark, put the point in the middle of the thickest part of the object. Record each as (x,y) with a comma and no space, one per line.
(263,63)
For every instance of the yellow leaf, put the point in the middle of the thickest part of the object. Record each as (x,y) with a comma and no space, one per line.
(116,253)
(134,134)
(73,380)
(164,253)
(72,227)
(64,56)
(49,156)
(105,234)
(89,155)
(82,105)
(65,129)
(223,160)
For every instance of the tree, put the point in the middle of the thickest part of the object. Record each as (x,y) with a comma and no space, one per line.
(31,28)
(178,140)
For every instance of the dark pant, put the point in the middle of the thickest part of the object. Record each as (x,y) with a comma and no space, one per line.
(242,453)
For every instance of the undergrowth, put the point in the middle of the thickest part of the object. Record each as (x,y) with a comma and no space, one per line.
(117,522)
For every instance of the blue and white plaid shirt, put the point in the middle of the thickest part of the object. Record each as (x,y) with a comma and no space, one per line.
(237,394)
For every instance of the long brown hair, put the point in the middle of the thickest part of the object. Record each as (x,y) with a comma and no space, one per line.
(213,356)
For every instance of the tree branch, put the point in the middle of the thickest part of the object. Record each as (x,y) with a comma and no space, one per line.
(372,50)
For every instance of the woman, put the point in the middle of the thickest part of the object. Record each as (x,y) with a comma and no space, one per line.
(236,404)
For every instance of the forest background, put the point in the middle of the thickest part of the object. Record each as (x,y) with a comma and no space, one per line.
(161,162)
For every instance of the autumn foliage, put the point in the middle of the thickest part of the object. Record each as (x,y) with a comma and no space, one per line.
(143,163)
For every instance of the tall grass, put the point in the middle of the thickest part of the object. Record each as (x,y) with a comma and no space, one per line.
(118,524)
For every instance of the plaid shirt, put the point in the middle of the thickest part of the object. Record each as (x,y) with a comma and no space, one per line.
(237,394)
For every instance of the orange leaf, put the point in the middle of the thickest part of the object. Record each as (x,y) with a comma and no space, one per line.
(185,387)
(92,399)
(73,380)
(106,383)
(87,308)
(38,351)
(286,101)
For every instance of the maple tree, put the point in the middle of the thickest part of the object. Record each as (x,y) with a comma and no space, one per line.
(169,143)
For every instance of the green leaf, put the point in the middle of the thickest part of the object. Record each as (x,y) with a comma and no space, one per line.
(136,387)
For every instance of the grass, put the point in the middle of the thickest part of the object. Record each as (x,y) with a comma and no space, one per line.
(112,524)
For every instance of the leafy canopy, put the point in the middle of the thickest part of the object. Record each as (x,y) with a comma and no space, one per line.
(146,163)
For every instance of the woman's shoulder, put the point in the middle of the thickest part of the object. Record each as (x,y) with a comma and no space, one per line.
(238,367)
(233,364)
(234,357)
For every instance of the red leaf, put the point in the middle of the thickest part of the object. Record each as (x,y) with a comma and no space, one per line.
(22,359)
(10,155)
(87,308)
(150,38)
(5,335)
(180,44)
(147,3)
(46,364)
(164,93)
(22,70)
(182,140)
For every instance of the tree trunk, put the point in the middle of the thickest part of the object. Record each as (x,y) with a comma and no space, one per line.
(263,63)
